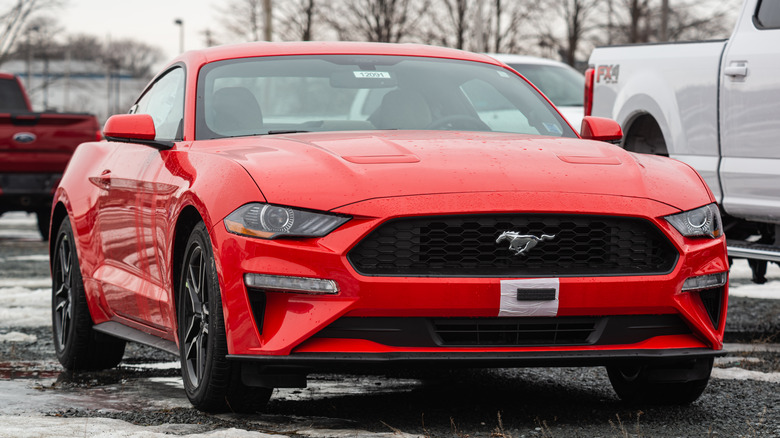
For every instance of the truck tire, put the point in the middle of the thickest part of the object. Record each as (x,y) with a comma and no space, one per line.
(645,137)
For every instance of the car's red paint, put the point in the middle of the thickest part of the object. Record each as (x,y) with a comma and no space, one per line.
(127,203)
(601,129)
(131,126)
(512,164)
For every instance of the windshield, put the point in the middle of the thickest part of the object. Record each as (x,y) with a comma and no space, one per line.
(562,85)
(274,95)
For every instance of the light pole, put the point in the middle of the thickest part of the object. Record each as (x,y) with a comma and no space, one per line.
(179,22)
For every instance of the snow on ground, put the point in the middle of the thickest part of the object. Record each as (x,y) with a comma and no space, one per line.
(25,307)
(735,373)
(22,338)
(23,427)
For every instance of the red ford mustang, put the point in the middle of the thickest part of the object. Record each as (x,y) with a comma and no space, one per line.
(268,210)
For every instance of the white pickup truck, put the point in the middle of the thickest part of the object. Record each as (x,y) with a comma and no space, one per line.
(714,105)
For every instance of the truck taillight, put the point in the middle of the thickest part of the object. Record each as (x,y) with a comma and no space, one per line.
(589,74)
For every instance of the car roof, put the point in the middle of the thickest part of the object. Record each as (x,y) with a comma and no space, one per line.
(525,59)
(256,49)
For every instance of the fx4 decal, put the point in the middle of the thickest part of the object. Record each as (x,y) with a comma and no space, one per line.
(608,73)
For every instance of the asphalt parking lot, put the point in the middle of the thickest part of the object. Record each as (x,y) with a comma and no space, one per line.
(144,397)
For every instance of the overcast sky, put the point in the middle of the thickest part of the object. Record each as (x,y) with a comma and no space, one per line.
(151,21)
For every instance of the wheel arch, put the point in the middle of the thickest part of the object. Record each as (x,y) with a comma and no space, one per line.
(186,222)
(643,134)
(59,214)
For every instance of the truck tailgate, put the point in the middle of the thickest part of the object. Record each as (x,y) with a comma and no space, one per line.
(42,142)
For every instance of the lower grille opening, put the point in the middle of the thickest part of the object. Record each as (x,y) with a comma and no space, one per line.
(515,333)
(505,332)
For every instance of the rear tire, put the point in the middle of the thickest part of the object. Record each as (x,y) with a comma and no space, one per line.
(44,219)
(78,347)
(677,383)
(212,383)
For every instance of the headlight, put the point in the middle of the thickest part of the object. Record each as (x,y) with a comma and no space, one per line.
(271,221)
(700,222)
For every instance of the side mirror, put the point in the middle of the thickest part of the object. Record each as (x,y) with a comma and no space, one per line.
(600,129)
(133,128)
(130,127)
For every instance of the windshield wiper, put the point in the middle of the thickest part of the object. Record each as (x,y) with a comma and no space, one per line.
(284,131)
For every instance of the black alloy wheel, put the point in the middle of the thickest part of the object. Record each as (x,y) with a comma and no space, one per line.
(78,347)
(211,382)
(196,314)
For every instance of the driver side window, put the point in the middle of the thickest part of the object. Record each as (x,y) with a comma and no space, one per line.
(164,101)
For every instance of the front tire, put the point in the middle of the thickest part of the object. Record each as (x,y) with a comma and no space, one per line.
(212,383)
(78,347)
(676,383)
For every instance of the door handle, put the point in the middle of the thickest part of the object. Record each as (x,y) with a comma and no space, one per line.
(736,70)
(103,181)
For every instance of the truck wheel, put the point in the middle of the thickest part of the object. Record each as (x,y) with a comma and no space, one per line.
(44,219)
(676,383)
(211,382)
(78,347)
(645,137)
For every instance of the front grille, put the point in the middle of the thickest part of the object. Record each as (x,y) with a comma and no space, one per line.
(505,332)
(584,245)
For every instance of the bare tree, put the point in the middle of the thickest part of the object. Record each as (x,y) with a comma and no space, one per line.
(84,47)
(131,56)
(388,21)
(502,25)
(15,20)
(247,20)
(298,19)
(640,21)
(453,29)
(565,25)
(135,57)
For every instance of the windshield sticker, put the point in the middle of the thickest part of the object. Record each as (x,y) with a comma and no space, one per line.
(372,74)
(553,128)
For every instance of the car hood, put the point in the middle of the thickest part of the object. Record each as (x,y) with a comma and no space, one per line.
(325,171)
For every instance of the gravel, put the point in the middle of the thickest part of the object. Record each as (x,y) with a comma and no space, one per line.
(532,402)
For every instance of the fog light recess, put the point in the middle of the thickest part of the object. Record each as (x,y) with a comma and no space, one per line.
(283,283)
(708,281)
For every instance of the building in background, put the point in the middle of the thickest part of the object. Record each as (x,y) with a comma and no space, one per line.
(77,86)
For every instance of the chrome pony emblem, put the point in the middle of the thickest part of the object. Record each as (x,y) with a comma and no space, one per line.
(522,243)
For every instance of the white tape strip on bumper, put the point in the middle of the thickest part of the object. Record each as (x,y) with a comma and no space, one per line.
(532,297)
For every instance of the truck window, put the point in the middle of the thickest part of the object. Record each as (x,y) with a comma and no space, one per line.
(767,14)
(11,97)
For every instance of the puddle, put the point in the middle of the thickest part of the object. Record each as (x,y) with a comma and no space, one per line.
(29,370)
(322,387)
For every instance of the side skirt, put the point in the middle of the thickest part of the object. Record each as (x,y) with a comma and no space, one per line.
(130,334)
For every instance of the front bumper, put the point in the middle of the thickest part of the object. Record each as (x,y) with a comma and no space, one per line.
(293,328)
